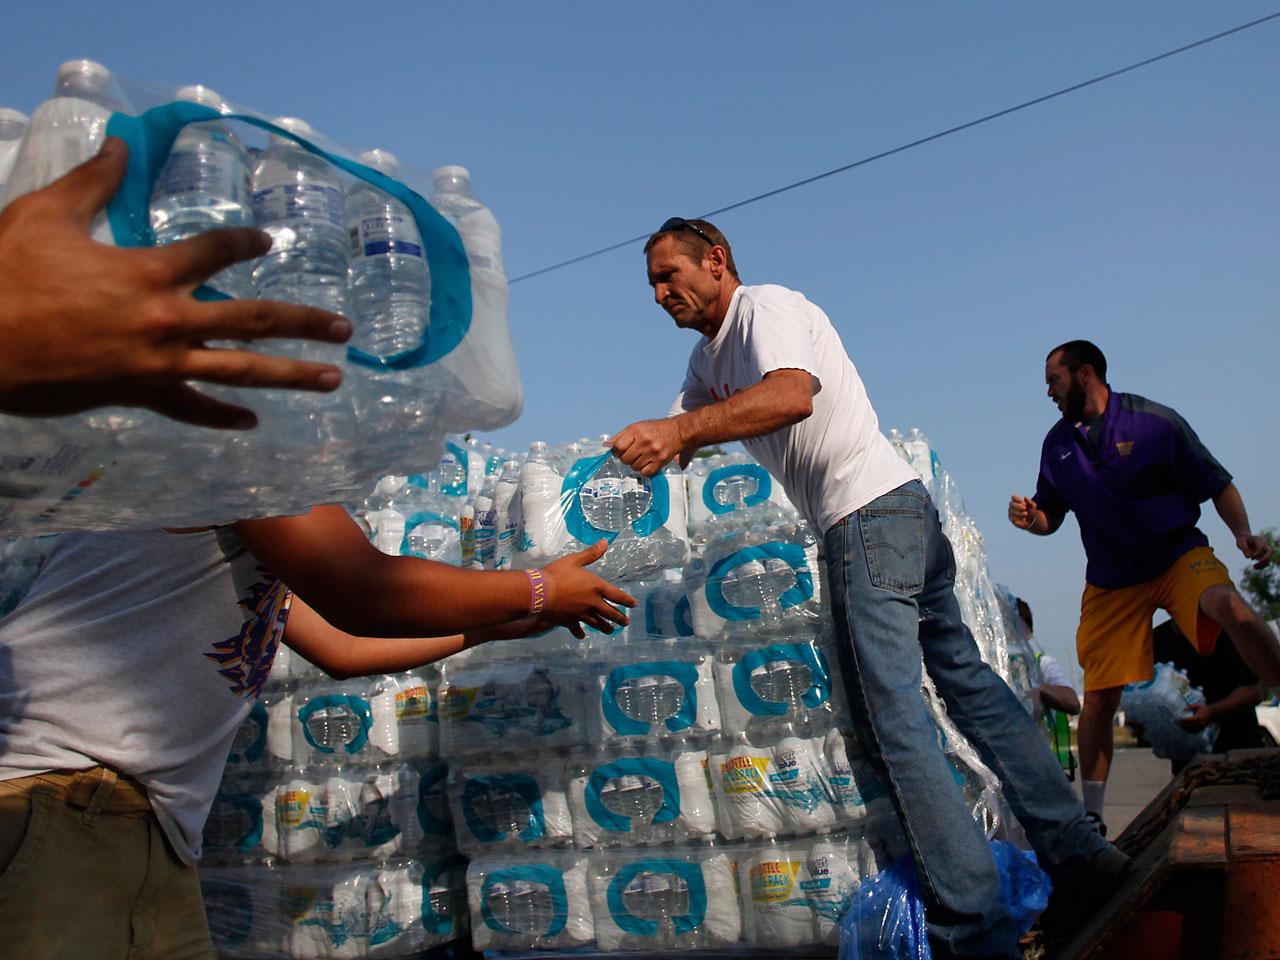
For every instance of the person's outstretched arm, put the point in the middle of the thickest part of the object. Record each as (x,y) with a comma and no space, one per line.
(343,655)
(327,561)
(782,398)
(84,324)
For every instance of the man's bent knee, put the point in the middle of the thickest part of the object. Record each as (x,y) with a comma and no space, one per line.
(1223,605)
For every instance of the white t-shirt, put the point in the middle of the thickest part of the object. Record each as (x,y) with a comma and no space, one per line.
(142,651)
(832,462)
(1051,673)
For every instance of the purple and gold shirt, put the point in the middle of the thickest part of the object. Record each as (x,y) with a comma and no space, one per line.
(1137,496)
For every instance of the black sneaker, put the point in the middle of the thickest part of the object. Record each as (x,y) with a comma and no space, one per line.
(1069,908)
(1096,820)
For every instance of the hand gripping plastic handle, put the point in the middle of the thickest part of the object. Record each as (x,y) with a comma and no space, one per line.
(806,653)
(663,771)
(690,873)
(150,138)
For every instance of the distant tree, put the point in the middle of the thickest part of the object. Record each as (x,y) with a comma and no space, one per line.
(1263,586)
(709,452)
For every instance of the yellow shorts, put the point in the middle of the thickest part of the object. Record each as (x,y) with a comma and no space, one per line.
(1113,643)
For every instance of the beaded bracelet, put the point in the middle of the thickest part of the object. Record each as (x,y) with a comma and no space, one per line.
(538,584)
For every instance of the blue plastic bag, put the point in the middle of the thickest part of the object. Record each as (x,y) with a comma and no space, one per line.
(886,919)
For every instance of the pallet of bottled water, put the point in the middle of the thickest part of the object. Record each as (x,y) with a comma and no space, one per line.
(411,257)
(689,782)
(330,834)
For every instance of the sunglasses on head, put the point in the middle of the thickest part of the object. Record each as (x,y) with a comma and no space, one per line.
(680,223)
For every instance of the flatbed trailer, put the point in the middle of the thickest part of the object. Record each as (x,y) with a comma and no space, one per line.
(1206,878)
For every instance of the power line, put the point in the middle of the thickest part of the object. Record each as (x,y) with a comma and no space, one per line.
(916,143)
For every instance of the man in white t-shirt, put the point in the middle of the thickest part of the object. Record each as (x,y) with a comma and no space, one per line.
(771,371)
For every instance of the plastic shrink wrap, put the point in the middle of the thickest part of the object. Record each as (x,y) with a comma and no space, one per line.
(574,495)
(197,161)
(330,834)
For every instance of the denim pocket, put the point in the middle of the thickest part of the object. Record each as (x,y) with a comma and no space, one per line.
(893,540)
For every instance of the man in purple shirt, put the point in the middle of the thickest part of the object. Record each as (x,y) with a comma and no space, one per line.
(1135,474)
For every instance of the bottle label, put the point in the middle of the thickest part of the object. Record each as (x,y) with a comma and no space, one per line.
(385,234)
(298,201)
(205,171)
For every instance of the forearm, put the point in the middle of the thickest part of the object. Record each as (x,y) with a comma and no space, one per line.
(1042,523)
(1239,699)
(761,409)
(1060,698)
(1230,507)
(362,591)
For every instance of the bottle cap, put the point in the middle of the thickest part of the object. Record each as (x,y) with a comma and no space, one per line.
(383,161)
(537,446)
(293,125)
(202,95)
(452,179)
(83,75)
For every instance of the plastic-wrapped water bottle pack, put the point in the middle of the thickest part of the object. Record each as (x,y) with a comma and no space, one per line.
(576,494)
(413,258)
(330,834)
(1154,707)
(731,491)
(770,894)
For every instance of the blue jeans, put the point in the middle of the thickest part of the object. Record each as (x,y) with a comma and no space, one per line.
(892,575)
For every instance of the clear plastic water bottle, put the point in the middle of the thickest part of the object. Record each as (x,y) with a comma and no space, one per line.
(486,530)
(467,531)
(522,905)
(506,506)
(634,796)
(602,498)
(65,131)
(298,200)
(13,124)
(205,184)
(390,283)
(502,809)
(480,233)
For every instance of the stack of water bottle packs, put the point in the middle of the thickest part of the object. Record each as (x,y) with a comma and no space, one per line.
(421,279)
(688,782)
(330,832)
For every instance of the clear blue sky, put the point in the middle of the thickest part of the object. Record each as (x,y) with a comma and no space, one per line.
(1140,213)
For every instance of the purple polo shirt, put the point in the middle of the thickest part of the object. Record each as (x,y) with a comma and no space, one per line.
(1137,498)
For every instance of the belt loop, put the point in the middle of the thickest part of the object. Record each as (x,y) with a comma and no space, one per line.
(106,786)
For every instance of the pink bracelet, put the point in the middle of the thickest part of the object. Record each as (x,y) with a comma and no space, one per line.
(538,584)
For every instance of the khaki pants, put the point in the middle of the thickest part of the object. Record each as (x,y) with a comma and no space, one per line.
(86,873)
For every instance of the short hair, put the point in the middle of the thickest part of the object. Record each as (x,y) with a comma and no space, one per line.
(1024,612)
(1078,353)
(695,246)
